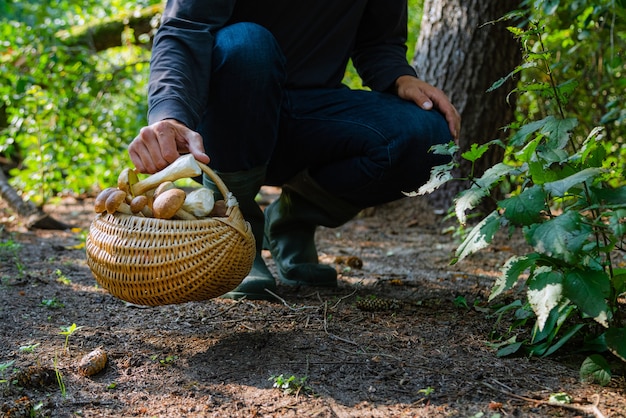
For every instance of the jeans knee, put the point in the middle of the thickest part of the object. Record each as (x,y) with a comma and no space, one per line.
(247,49)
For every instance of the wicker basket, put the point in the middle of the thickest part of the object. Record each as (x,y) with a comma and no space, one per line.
(149,261)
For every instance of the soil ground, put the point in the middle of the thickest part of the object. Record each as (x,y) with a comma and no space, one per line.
(429,354)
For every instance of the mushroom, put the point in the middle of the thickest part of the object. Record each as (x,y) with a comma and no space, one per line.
(219,209)
(199,202)
(99,204)
(169,204)
(166,185)
(139,204)
(126,179)
(184,167)
(116,202)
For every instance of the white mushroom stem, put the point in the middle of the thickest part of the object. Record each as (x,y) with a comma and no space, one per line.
(183,214)
(125,208)
(199,202)
(184,167)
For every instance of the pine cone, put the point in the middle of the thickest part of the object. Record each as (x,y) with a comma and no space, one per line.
(377,304)
(93,362)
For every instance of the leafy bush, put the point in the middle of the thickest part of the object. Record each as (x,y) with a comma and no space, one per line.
(70,111)
(566,195)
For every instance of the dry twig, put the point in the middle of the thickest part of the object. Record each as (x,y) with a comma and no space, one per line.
(591,409)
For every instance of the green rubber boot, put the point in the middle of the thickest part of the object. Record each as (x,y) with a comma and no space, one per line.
(245,185)
(290,224)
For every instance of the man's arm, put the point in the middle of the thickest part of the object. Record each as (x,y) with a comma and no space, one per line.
(380,59)
(180,68)
(380,49)
(180,76)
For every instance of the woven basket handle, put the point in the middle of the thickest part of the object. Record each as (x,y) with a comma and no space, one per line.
(236,221)
(215,178)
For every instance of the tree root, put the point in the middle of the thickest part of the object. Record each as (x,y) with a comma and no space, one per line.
(32,216)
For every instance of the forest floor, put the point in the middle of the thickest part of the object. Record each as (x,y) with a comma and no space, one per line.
(430,354)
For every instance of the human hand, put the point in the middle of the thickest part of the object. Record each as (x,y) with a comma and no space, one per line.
(426,96)
(161,143)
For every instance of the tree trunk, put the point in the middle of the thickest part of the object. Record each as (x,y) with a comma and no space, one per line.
(460,52)
(32,216)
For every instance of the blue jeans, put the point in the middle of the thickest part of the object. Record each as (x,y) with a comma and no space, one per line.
(362,146)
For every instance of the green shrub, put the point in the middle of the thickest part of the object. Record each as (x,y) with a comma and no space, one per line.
(566,195)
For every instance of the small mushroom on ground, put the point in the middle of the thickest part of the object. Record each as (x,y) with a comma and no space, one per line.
(169,204)
(99,204)
(116,202)
(199,202)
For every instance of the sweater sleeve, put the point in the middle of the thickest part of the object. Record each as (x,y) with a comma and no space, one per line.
(180,66)
(380,49)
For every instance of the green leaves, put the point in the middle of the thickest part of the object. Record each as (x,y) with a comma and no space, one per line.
(70,111)
(511,272)
(595,369)
(525,208)
(561,237)
(589,290)
(555,131)
(480,236)
(560,187)
(616,342)
(545,291)
(439,175)
(564,189)
(470,198)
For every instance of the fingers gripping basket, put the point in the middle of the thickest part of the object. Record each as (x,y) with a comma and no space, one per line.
(149,261)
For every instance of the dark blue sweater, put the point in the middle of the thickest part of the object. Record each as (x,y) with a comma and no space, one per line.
(318,37)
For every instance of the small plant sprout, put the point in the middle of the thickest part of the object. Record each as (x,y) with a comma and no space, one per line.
(29,348)
(168,360)
(427,391)
(3,368)
(9,250)
(291,385)
(62,278)
(461,302)
(59,377)
(52,303)
(164,361)
(67,331)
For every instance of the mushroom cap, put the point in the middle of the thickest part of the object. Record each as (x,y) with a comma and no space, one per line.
(167,203)
(99,204)
(126,179)
(115,199)
(166,185)
(219,209)
(138,203)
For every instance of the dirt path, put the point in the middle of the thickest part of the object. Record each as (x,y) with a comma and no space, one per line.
(427,355)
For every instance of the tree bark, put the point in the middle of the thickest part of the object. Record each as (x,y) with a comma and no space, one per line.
(463,54)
